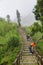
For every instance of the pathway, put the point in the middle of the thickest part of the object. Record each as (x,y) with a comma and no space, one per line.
(27,57)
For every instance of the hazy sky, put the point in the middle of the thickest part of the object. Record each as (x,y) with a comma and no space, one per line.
(10,7)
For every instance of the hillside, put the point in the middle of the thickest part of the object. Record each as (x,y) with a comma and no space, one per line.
(9,42)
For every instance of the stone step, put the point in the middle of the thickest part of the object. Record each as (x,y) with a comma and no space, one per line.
(28,58)
(29,63)
(26,44)
(25,47)
(26,50)
(27,54)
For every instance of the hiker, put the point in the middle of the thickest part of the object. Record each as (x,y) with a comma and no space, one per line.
(28,37)
(31,47)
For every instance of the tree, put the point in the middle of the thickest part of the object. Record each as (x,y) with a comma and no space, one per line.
(8,18)
(38,11)
(35,28)
(18,17)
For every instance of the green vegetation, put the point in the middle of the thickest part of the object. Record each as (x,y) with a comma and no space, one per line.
(39,47)
(36,34)
(39,44)
(9,42)
(38,11)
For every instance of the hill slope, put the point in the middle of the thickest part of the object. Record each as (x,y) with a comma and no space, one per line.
(9,42)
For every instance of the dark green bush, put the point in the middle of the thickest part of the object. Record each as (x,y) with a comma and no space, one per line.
(13,41)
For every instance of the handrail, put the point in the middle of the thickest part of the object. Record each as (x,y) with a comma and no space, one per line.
(39,58)
(17,60)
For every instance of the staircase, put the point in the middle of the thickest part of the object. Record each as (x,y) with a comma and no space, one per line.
(27,57)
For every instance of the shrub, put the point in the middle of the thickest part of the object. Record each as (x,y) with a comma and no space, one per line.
(13,41)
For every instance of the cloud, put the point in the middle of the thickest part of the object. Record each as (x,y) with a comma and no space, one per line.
(0,0)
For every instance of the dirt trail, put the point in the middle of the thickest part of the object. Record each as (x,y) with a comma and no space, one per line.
(27,57)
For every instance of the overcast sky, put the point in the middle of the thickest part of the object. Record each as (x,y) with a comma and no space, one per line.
(10,7)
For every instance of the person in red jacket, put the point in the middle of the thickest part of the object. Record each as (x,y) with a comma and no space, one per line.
(31,47)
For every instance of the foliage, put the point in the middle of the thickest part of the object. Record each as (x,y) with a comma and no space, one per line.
(13,41)
(9,42)
(9,55)
(38,11)
(39,47)
(34,28)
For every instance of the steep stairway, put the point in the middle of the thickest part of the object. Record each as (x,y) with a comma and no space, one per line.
(27,57)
